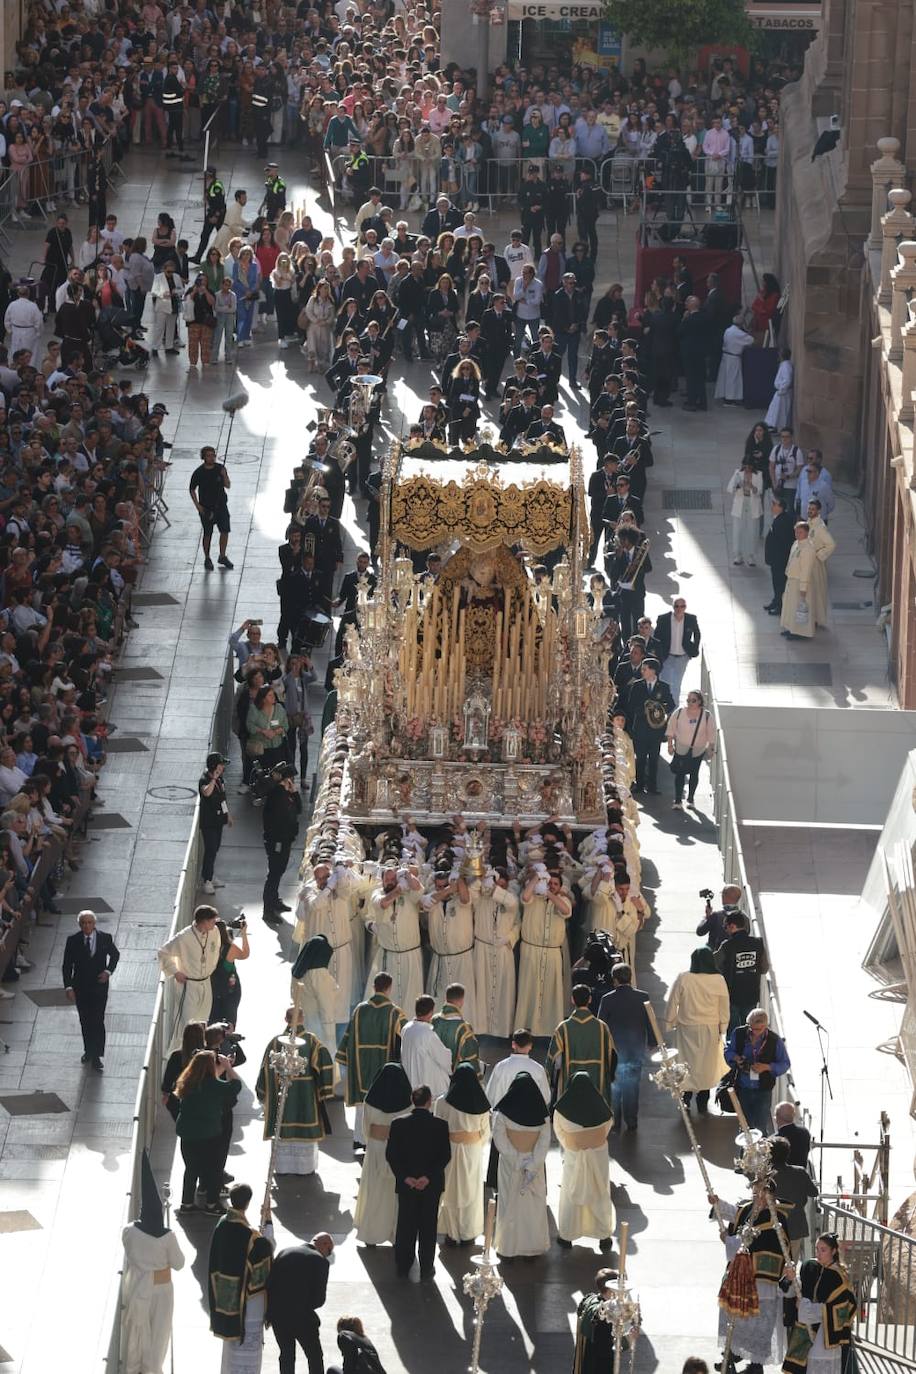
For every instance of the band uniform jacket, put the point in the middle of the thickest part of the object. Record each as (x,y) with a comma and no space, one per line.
(614,506)
(690,638)
(640,693)
(619,568)
(548,430)
(418,1147)
(548,369)
(81,970)
(325,541)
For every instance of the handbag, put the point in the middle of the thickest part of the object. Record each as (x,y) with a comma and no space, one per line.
(802,613)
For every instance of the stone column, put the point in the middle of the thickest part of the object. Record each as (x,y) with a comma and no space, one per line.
(908,380)
(897,224)
(903,279)
(887,171)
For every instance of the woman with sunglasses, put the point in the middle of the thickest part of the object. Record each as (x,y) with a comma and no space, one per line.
(691,738)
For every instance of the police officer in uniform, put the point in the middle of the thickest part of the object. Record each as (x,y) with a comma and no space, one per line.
(274,202)
(214,211)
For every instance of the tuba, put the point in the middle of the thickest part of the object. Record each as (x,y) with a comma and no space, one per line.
(361,389)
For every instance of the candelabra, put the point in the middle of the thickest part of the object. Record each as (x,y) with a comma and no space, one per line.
(620,1309)
(483,1284)
(286,1063)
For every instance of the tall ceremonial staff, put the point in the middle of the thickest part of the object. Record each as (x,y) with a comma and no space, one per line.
(286,1063)
(621,1308)
(670,1077)
(483,1283)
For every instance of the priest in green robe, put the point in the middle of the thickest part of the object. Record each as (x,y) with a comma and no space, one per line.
(594,1337)
(456,1034)
(239,1265)
(305,1119)
(371,1040)
(582,1044)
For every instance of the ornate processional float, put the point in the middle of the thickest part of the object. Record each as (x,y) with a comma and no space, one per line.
(483,691)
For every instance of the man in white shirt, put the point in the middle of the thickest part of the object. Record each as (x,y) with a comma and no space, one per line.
(786,462)
(110,233)
(517,255)
(424,1058)
(470,226)
(12,778)
(716,147)
(519,1061)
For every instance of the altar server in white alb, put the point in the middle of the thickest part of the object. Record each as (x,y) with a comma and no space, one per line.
(581,1121)
(392,915)
(497,926)
(467,1110)
(190,958)
(427,1061)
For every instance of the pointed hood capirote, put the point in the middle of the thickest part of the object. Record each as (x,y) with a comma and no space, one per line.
(524,1102)
(151,1220)
(582,1103)
(315,953)
(389,1090)
(465,1092)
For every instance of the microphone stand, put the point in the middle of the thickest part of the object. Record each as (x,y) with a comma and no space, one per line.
(826,1089)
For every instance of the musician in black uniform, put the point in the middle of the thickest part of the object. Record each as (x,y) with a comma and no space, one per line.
(359,471)
(628,669)
(519,417)
(548,363)
(635,456)
(301,596)
(462,350)
(600,487)
(497,330)
(544,427)
(344,367)
(378,347)
(627,574)
(650,704)
(348,596)
(600,364)
(324,533)
(621,499)
(371,488)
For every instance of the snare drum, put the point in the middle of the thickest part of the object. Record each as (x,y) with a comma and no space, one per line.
(313,628)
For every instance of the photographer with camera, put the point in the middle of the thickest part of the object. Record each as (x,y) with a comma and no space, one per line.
(224,980)
(282,810)
(714,922)
(758,1056)
(214,817)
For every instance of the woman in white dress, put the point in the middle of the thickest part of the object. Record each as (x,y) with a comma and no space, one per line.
(746,488)
(466,1108)
(698,1013)
(779,414)
(151,1253)
(521,1134)
(319,312)
(376,1214)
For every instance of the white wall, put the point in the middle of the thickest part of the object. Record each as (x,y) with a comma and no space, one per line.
(819,766)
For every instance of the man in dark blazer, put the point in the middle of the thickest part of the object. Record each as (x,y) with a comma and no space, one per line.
(296,1287)
(776,549)
(678,636)
(693,339)
(497,332)
(90,958)
(321,534)
(443,216)
(649,705)
(417,1152)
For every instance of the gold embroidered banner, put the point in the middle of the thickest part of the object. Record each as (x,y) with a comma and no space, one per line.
(481,513)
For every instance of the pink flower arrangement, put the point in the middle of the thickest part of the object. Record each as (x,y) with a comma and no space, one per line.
(415,728)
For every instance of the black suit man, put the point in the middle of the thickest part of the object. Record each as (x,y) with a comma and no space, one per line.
(497,332)
(296,1287)
(677,634)
(321,533)
(776,549)
(694,337)
(417,1152)
(90,958)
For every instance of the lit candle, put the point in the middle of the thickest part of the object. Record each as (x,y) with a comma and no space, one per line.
(490,1225)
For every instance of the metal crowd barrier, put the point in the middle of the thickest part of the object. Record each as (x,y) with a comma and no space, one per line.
(146,1103)
(882,1269)
(58,178)
(734,871)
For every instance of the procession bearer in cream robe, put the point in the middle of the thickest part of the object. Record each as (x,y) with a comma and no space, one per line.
(824,544)
(730,378)
(466,1108)
(376,1214)
(392,915)
(450,921)
(496,931)
(543,970)
(151,1253)
(325,905)
(799,583)
(190,958)
(581,1121)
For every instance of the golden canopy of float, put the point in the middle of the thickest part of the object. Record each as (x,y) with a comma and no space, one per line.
(483,691)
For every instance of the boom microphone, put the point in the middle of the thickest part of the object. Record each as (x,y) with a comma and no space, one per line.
(236,402)
(812,1019)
